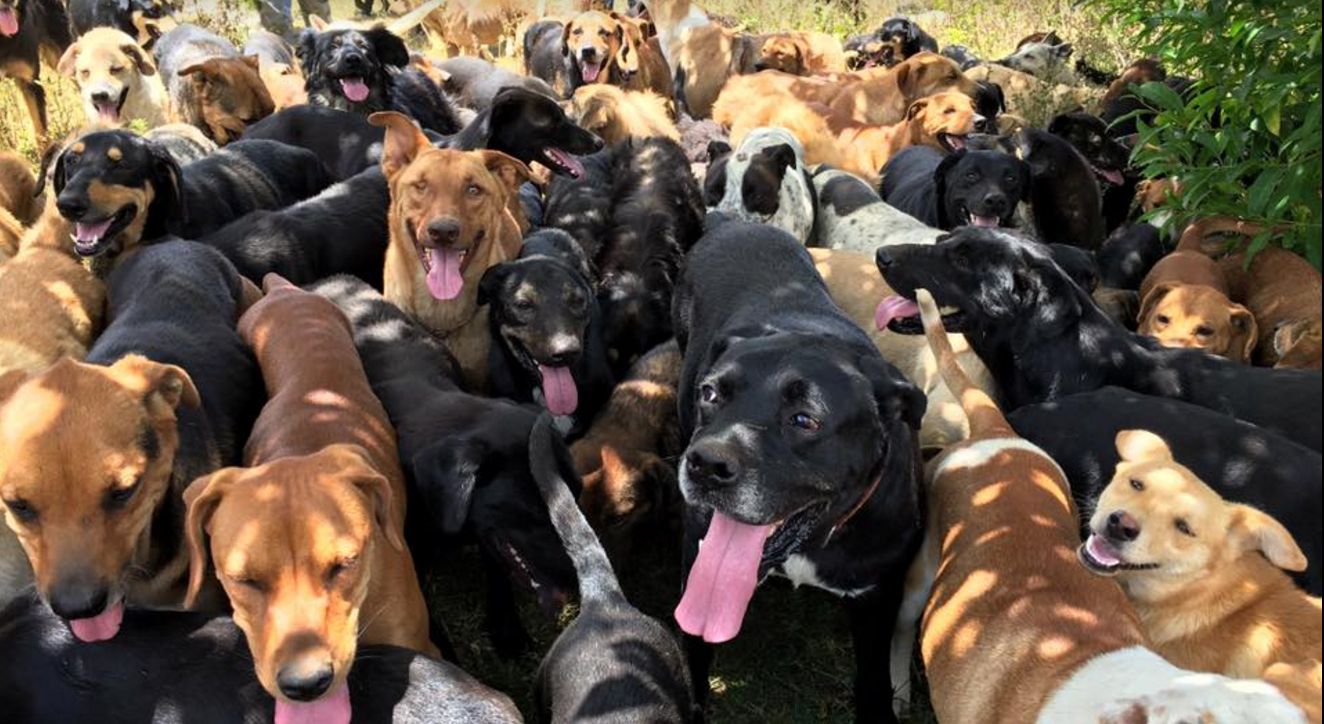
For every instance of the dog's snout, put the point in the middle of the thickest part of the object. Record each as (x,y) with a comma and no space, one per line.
(1123,528)
(79,598)
(563,349)
(712,463)
(589,54)
(353,61)
(305,679)
(101,96)
(71,207)
(444,232)
(997,203)
(884,258)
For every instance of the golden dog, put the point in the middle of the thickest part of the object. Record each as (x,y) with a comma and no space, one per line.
(117,80)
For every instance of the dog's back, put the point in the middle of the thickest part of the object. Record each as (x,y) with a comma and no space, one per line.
(909,186)
(248,176)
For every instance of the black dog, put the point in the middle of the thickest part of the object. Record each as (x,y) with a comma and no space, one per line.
(613,664)
(1065,199)
(802,450)
(467,460)
(190,668)
(119,14)
(1042,337)
(345,142)
(902,38)
(365,71)
(32,31)
(1128,255)
(977,188)
(1245,464)
(547,329)
(544,56)
(121,190)
(1108,158)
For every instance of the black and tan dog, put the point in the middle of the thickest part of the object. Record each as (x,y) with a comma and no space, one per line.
(803,451)
(32,31)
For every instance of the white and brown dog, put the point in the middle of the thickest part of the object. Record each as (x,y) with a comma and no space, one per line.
(116,78)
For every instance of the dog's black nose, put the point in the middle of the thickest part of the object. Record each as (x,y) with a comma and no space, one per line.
(444,232)
(760,67)
(997,204)
(305,679)
(589,54)
(101,97)
(712,464)
(353,61)
(1122,528)
(563,350)
(78,599)
(883,258)
(71,208)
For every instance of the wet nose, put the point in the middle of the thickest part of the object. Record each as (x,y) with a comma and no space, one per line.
(71,207)
(78,599)
(305,679)
(711,463)
(563,349)
(353,61)
(884,258)
(444,232)
(101,96)
(1122,528)
(590,54)
(997,204)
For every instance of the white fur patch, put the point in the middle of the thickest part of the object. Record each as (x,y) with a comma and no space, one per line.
(1103,690)
(795,208)
(801,571)
(978,454)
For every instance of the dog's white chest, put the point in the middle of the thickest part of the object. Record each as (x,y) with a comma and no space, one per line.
(801,571)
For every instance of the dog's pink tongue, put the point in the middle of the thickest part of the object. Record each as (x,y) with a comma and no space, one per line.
(355,89)
(1114,177)
(99,628)
(331,709)
(558,388)
(591,71)
(985,222)
(1103,552)
(445,280)
(893,308)
(8,22)
(723,580)
(109,112)
(91,232)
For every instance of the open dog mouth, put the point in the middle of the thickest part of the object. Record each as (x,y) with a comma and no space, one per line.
(563,163)
(355,88)
(1111,176)
(560,392)
(590,71)
(95,238)
(551,598)
(102,627)
(901,315)
(444,269)
(333,708)
(1103,558)
(8,22)
(109,111)
(980,221)
(953,142)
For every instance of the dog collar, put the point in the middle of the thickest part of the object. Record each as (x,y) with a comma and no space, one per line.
(868,495)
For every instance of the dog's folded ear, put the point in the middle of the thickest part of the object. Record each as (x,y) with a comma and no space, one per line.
(489,287)
(1142,446)
(1254,531)
(168,214)
(388,46)
(447,473)
(140,58)
(68,61)
(151,379)
(1245,333)
(512,172)
(352,462)
(306,48)
(201,500)
(897,399)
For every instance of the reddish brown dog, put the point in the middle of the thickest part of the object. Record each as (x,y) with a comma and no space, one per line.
(308,542)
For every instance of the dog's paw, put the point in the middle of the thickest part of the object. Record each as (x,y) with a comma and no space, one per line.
(1207,699)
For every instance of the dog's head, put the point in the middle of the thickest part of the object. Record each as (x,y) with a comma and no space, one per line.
(231,95)
(900,39)
(82,516)
(450,205)
(981,188)
(532,127)
(1089,135)
(629,59)
(1300,344)
(108,66)
(351,65)
(592,42)
(944,121)
(11,17)
(1162,530)
(117,189)
(864,51)
(1194,316)
(926,74)
(784,53)
(1139,72)
(292,543)
(1043,60)
(623,494)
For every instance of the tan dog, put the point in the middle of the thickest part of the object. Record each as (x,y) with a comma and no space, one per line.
(802,54)
(1205,574)
(468,27)
(308,542)
(449,224)
(616,115)
(285,84)
(593,42)
(19,194)
(642,61)
(1015,632)
(116,79)
(1194,316)
(1300,345)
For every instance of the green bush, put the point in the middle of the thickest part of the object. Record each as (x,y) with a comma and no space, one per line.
(1245,141)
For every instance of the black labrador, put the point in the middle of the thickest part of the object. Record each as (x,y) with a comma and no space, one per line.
(1043,338)
(802,458)
(975,188)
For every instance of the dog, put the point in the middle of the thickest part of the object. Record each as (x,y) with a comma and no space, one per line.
(701,53)
(368,71)
(974,489)
(19,193)
(616,116)
(116,78)
(122,191)
(209,85)
(474,82)
(898,40)
(322,460)
(449,223)
(1128,255)
(652,683)
(466,459)
(642,61)
(544,55)
(803,54)
(1205,576)
(1195,316)
(1065,200)
(1123,109)
(1031,101)
(547,329)
(766,181)
(1043,338)
(591,44)
(176,389)
(143,20)
(1046,60)
(182,142)
(278,65)
(781,393)
(1110,160)
(629,485)
(203,664)
(966,188)
(853,217)
(32,31)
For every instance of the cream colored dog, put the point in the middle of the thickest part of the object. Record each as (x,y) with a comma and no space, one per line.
(116,78)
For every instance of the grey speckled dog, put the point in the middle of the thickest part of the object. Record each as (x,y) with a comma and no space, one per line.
(852,217)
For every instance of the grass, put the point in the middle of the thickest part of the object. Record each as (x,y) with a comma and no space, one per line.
(793,665)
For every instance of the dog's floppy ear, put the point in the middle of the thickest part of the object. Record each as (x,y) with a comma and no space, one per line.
(70,58)
(897,399)
(565,38)
(403,142)
(167,214)
(782,156)
(1142,446)
(512,172)
(156,382)
(1254,531)
(201,500)
(58,176)
(940,185)
(388,46)
(140,58)
(447,474)
(1151,301)
(490,285)
(916,108)
(1245,333)
(1044,291)
(718,149)
(352,462)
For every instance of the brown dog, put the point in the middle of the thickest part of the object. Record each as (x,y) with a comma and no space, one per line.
(308,542)
(593,42)
(617,115)
(1206,575)
(227,95)
(1195,316)
(803,54)
(116,78)
(642,61)
(1015,632)
(449,224)
(19,194)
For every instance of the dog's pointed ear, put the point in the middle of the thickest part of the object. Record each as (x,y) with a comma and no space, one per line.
(352,462)
(897,399)
(201,499)
(168,384)
(168,213)
(388,46)
(1245,333)
(916,108)
(512,172)
(1063,51)
(1142,446)
(403,142)
(447,474)
(68,61)
(141,59)
(489,287)
(1254,531)
(318,24)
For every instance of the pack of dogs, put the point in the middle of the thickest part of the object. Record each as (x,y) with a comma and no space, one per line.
(295,325)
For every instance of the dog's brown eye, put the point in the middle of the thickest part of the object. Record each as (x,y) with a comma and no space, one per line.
(1204,332)
(334,571)
(117,498)
(1164,319)
(1138,485)
(251,584)
(420,186)
(22,510)
(1185,528)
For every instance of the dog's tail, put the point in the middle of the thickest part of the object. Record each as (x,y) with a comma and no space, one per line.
(986,420)
(1201,236)
(597,581)
(1094,75)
